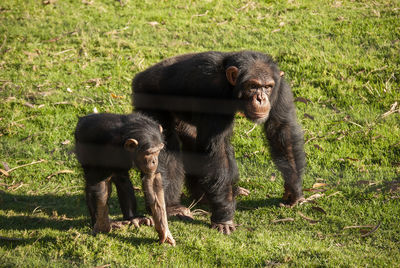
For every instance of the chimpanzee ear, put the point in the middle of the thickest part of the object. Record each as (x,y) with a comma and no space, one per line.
(130,144)
(231,74)
(161,129)
(281,73)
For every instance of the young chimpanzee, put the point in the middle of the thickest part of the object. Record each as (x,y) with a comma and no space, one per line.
(107,147)
(195,98)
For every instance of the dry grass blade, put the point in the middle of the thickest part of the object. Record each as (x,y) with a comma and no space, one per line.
(392,110)
(314,190)
(25,165)
(194,203)
(319,209)
(306,115)
(311,221)
(5,173)
(358,226)
(282,220)
(319,184)
(200,212)
(301,99)
(335,193)
(103,266)
(314,196)
(372,231)
(248,132)
(59,172)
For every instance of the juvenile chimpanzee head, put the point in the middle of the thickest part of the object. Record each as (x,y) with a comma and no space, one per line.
(143,138)
(255,78)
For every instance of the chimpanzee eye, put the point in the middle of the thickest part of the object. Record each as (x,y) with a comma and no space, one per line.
(268,90)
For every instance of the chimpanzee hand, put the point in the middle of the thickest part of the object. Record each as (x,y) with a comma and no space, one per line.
(137,222)
(227,227)
(243,191)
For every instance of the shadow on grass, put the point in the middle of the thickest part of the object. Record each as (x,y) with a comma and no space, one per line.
(12,243)
(57,213)
(137,241)
(252,204)
(36,222)
(68,205)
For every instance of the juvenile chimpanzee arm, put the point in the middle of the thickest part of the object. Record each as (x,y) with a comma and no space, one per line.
(287,144)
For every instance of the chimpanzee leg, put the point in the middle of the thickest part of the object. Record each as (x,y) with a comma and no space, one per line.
(286,143)
(218,170)
(96,190)
(97,195)
(126,194)
(173,181)
(187,135)
(127,202)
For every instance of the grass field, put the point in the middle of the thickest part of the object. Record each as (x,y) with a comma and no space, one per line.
(62,59)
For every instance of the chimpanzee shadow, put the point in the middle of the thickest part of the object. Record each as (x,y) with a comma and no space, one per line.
(54,212)
(15,242)
(69,205)
(136,241)
(62,211)
(252,204)
(50,211)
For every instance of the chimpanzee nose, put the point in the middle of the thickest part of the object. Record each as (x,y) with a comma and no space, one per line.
(260,98)
(152,162)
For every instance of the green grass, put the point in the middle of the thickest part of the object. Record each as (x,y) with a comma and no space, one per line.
(61,60)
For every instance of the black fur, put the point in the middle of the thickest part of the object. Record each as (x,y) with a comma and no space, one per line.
(100,150)
(193,100)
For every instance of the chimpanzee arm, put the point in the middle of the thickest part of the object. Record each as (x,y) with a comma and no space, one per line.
(218,167)
(287,143)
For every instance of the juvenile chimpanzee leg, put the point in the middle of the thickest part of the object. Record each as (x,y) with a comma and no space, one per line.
(286,143)
(127,202)
(95,190)
(126,195)
(97,196)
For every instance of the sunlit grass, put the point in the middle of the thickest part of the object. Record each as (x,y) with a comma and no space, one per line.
(64,59)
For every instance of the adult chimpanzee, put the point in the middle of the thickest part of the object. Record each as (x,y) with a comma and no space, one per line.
(195,98)
(107,147)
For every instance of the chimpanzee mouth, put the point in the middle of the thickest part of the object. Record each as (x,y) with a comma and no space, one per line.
(257,118)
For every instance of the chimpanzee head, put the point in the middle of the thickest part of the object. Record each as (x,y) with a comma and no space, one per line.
(255,78)
(144,141)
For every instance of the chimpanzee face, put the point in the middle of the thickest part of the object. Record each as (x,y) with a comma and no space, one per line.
(145,160)
(254,87)
(256,93)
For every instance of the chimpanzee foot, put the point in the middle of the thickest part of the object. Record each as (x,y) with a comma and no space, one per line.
(119,224)
(227,227)
(242,191)
(142,221)
(291,203)
(137,222)
(183,213)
